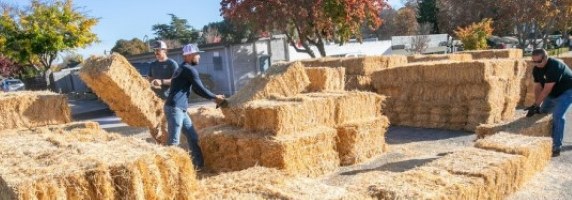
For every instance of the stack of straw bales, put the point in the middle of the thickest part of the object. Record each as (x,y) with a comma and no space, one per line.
(451,95)
(32,109)
(359,70)
(439,57)
(126,92)
(91,164)
(495,54)
(267,183)
(273,125)
(323,79)
(265,132)
(360,125)
(537,125)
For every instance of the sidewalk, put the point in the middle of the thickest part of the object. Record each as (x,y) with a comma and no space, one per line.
(86,106)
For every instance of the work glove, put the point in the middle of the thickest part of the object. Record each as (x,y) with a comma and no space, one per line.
(532,110)
(222,104)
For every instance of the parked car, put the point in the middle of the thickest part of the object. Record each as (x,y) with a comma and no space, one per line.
(10,85)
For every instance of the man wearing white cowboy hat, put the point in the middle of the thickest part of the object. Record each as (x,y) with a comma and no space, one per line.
(161,70)
(185,78)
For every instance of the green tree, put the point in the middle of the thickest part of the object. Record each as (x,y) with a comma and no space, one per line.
(428,13)
(130,47)
(307,23)
(38,34)
(177,30)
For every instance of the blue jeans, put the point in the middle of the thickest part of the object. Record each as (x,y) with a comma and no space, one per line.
(178,119)
(559,107)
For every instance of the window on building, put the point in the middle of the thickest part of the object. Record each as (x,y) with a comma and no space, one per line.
(264,62)
(217,61)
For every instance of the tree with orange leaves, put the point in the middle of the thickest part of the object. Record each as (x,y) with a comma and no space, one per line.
(474,36)
(307,22)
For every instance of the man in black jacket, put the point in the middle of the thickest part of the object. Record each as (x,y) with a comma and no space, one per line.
(185,78)
(553,92)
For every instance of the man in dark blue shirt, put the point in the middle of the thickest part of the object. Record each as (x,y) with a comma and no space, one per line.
(553,92)
(161,70)
(185,78)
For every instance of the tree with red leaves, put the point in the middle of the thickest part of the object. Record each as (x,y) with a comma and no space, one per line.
(8,68)
(307,22)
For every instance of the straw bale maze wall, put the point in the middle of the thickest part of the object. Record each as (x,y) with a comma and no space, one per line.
(451,95)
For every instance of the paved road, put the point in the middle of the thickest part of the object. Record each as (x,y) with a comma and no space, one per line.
(99,112)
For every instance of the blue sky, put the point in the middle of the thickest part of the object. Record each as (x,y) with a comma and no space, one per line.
(126,19)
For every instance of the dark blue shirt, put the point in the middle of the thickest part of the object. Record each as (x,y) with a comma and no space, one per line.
(162,70)
(186,78)
(556,72)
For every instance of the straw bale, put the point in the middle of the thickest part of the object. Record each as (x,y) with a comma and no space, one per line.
(284,116)
(449,72)
(323,62)
(422,183)
(311,153)
(537,150)
(366,66)
(91,164)
(32,109)
(527,85)
(360,141)
(204,117)
(502,173)
(358,82)
(439,57)
(537,125)
(326,79)
(126,92)
(353,106)
(266,183)
(495,54)
(359,66)
(285,80)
